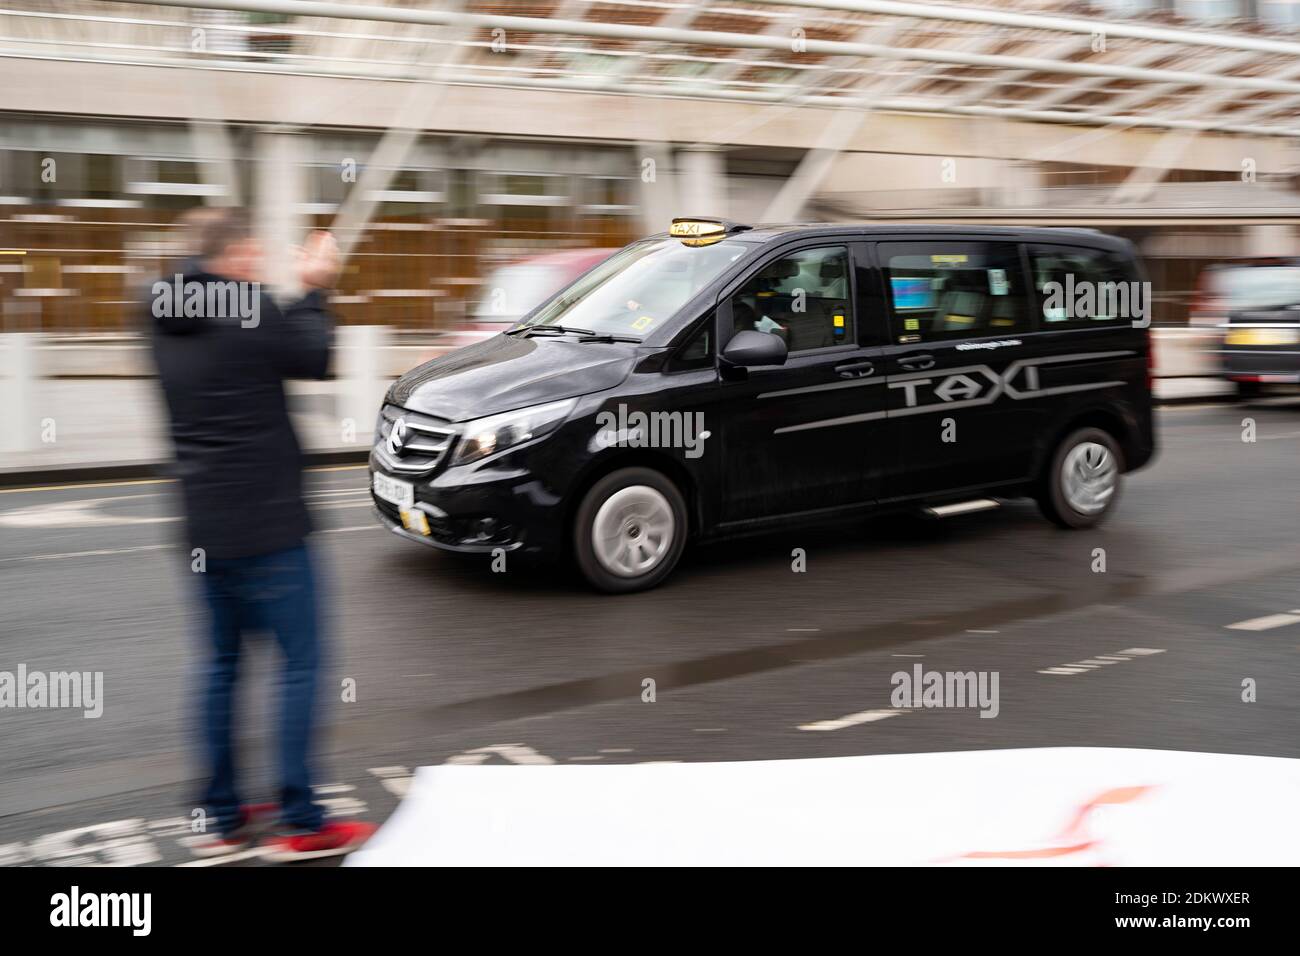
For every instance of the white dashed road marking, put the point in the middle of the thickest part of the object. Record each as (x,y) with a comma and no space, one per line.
(76,514)
(86,554)
(396,780)
(514,753)
(59,556)
(852,720)
(1101,660)
(249,854)
(1265,623)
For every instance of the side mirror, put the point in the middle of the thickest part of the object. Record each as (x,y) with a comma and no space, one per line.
(750,348)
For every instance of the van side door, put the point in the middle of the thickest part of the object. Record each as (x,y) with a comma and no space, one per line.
(961,315)
(798,438)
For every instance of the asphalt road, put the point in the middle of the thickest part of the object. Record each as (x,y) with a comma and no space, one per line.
(750,659)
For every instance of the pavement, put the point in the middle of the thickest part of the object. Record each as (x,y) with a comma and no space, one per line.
(91,429)
(114,429)
(1174,626)
(97,416)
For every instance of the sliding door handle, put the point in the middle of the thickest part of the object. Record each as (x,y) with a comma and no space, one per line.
(917,363)
(855,370)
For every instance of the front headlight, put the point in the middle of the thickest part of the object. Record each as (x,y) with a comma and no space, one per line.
(487,436)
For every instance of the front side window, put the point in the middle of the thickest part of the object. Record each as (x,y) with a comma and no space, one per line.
(803,298)
(637,290)
(953,290)
(698,350)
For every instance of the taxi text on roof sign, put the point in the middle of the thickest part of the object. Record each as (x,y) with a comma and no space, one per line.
(697,232)
(696,229)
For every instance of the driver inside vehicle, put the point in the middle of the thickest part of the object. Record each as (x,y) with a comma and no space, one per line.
(802,298)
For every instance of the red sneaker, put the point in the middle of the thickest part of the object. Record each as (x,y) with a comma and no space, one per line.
(214,844)
(333,839)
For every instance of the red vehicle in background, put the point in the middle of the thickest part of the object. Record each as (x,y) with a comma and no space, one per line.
(512,291)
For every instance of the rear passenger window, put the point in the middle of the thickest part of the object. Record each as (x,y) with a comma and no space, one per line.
(803,298)
(949,290)
(1081,287)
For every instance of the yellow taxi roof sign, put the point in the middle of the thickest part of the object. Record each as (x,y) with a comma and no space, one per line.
(701,230)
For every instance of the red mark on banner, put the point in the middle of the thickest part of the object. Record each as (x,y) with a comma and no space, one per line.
(1074,838)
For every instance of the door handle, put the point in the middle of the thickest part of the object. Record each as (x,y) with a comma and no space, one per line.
(855,370)
(917,363)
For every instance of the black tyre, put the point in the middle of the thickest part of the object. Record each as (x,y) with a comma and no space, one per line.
(1248,390)
(1083,478)
(629,530)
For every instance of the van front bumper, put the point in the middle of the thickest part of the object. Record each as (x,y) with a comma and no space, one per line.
(492,510)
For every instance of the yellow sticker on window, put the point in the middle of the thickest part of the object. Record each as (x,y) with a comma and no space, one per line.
(643,322)
(949,258)
(960,319)
(839,321)
(912,325)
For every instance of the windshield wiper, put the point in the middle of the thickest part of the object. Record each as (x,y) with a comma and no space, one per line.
(556,330)
(609,337)
(586,335)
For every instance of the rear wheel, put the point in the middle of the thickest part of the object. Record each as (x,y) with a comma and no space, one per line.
(629,530)
(1082,481)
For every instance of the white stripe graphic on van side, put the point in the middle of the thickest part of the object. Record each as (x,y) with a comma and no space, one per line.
(822,388)
(829,422)
(999,384)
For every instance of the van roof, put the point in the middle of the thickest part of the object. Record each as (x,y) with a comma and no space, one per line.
(768,232)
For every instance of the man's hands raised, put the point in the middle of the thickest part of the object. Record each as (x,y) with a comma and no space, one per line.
(319,261)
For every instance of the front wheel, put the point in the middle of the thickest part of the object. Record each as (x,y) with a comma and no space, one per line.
(629,530)
(1082,482)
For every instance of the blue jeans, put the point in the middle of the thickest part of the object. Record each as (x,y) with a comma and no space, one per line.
(274,592)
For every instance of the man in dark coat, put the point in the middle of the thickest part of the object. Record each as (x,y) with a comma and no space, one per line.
(223,350)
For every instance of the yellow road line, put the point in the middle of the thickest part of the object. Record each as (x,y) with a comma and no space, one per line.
(89,484)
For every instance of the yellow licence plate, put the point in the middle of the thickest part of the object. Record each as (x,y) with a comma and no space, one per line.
(1262,337)
(416,521)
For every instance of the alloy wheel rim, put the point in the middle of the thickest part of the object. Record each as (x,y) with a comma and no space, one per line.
(1089,475)
(633,531)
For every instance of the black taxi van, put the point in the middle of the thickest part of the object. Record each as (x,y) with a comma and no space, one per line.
(721,379)
(1261,337)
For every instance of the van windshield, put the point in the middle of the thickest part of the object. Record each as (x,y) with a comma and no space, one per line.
(636,290)
(1258,287)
